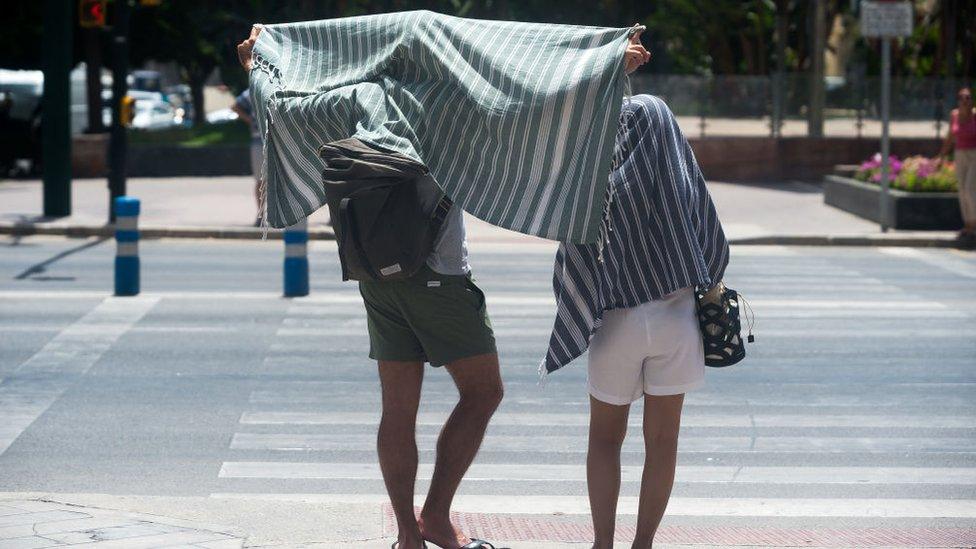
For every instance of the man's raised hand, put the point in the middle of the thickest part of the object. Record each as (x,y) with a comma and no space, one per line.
(245,48)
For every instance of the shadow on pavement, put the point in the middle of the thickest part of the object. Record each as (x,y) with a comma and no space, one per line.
(39,268)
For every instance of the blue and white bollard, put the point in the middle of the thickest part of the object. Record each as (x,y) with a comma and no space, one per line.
(127,245)
(296,260)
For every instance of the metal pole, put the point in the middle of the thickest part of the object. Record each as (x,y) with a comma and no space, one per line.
(885,149)
(815,116)
(703,105)
(779,77)
(56,110)
(117,138)
(93,80)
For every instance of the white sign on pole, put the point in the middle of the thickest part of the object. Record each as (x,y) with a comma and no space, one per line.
(886,19)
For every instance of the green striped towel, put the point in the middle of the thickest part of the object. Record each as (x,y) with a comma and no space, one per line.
(515,120)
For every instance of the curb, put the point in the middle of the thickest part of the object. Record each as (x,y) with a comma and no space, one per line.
(920,241)
(254,233)
(151,231)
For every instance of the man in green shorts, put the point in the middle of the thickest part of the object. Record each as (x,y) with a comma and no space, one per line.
(436,316)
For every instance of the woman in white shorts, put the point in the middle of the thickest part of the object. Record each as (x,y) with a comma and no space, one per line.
(631,301)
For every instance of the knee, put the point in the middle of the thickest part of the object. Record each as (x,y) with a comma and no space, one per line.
(484,398)
(665,440)
(399,414)
(608,439)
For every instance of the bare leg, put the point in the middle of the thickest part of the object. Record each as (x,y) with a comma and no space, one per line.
(608,426)
(396,443)
(662,421)
(480,387)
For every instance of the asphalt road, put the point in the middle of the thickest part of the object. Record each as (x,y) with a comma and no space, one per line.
(855,407)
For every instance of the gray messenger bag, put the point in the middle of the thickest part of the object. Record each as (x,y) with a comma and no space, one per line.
(381,226)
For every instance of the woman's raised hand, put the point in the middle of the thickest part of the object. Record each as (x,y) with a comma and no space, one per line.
(635,55)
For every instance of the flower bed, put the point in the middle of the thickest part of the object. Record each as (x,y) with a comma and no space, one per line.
(913,174)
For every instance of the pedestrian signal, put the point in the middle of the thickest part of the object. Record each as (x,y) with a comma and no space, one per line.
(150,3)
(91,13)
(127,111)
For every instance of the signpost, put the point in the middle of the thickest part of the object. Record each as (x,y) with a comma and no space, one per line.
(886,19)
(56,108)
(118,146)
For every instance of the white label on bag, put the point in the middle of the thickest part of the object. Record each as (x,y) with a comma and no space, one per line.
(392,269)
(433,283)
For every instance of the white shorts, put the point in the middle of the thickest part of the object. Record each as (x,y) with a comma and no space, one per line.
(654,348)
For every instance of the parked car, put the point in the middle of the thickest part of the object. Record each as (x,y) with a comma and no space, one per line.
(220,116)
(153,114)
(20,117)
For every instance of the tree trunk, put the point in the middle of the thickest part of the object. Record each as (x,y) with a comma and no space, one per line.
(196,92)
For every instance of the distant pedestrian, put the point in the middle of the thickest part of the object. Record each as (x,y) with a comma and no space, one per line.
(245,111)
(962,138)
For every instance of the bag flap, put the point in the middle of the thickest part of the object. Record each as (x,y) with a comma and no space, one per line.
(350,159)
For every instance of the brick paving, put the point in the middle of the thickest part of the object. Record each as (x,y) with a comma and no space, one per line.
(577,529)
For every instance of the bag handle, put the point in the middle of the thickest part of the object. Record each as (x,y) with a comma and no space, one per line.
(348,224)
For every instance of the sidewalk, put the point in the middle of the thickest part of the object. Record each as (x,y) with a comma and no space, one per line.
(38,520)
(33,521)
(789,213)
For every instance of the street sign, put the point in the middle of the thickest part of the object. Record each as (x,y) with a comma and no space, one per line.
(886,19)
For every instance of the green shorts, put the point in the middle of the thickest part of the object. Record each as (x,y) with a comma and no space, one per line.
(428,317)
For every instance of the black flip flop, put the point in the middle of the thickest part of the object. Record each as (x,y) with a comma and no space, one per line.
(480,544)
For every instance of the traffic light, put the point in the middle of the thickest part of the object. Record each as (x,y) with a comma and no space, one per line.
(91,13)
(127,111)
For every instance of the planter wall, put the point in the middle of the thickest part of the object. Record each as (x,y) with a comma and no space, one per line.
(721,158)
(174,161)
(910,211)
(765,158)
(89,158)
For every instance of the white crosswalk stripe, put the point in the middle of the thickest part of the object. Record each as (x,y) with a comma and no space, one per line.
(775,422)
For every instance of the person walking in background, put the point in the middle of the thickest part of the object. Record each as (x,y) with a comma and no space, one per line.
(962,138)
(245,111)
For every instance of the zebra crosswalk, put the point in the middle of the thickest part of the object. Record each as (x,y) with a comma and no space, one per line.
(856,403)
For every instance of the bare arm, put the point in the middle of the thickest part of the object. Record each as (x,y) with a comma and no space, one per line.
(949,141)
(245,48)
(242,114)
(635,55)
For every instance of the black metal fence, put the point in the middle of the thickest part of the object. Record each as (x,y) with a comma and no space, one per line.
(738,104)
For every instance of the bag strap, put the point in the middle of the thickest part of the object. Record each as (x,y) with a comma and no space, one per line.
(439,214)
(348,223)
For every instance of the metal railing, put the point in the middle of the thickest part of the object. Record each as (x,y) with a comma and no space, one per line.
(747,105)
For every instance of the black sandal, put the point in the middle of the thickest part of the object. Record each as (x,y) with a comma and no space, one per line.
(480,544)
